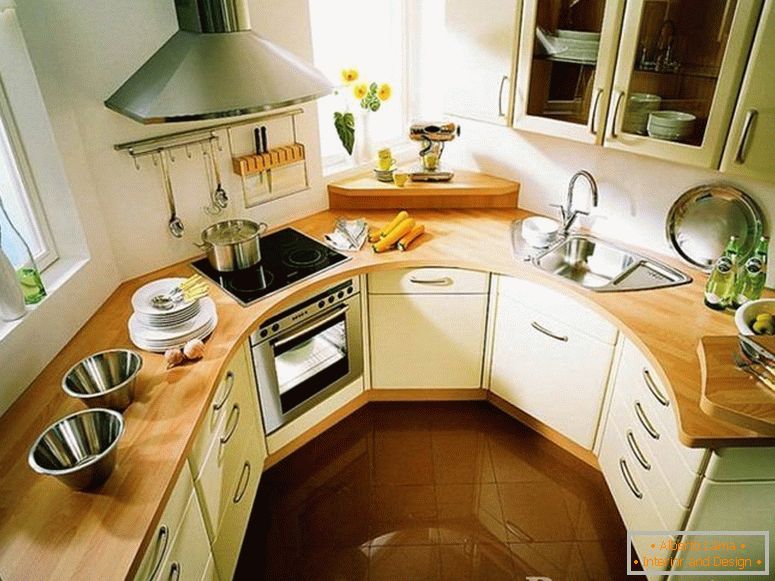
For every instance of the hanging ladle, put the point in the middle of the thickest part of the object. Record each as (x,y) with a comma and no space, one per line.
(220,196)
(175,224)
(213,208)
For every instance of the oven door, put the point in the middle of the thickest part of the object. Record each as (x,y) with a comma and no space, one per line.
(302,366)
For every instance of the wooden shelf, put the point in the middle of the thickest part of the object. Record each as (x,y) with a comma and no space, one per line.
(466,190)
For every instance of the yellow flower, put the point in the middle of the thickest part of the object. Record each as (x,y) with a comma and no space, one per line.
(349,75)
(360,90)
(384,92)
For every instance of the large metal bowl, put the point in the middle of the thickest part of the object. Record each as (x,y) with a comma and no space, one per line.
(79,449)
(105,379)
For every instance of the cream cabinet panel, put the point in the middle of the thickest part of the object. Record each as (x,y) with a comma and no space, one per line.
(549,370)
(227,545)
(428,280)
(210,574)
(749,147)
(190,549)
(686,56)
(427,340)
(567,56)
(479,48)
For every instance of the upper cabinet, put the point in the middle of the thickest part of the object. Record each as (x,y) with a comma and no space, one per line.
(654,77)
(567,53)
(480,49)
(749,148)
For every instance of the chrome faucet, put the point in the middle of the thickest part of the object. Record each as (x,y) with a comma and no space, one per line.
(567,212)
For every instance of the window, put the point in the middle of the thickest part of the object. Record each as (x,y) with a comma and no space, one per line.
(19,196)
(370,36)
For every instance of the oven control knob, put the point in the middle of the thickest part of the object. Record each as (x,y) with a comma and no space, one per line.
(263,333)
(340,294)
(321,304)
(349,290)
(275,328)
(331,299)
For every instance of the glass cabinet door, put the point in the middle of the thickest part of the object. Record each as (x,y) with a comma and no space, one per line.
(566,61)
(678,73)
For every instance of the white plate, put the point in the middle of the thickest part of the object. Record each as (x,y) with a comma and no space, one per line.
(141,300)
(138,342)
(155,339)
(178,319)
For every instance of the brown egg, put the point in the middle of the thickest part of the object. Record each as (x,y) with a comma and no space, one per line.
(173,357)
(194,349)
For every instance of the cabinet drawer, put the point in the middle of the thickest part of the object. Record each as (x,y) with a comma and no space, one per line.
(223,461)
(638,381)
(656,447)
(428,281)
(732,464)
(636,507)
(169,524)
(235,380)
(242,493)
(190,550)
(559,307)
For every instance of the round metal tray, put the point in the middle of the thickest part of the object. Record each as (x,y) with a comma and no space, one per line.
(702,219)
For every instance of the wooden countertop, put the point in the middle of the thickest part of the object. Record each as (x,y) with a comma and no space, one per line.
(47,530)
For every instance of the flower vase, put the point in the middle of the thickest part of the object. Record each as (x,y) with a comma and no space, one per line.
(363,152)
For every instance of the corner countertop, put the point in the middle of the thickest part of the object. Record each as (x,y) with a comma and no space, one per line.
(48,529)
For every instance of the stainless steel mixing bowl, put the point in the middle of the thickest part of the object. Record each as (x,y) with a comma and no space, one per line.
(104,380)
(79,449)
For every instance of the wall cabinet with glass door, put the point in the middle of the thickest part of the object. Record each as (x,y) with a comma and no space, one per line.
(655,77)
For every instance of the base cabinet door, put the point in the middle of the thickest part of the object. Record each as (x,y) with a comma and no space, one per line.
(190,549)
(549,370)
(427,340)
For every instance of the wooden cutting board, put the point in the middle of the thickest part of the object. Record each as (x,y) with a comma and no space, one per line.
(731,394)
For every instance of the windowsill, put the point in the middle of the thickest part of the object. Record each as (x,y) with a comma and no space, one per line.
(54,278)
(404,152)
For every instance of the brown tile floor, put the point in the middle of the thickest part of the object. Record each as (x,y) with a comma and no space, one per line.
(432,491)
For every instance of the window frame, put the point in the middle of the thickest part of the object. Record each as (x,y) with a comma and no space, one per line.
(32,200)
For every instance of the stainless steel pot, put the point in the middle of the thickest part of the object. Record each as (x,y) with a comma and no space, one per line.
(233,244)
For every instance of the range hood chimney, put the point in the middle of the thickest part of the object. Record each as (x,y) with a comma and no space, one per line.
(216,66)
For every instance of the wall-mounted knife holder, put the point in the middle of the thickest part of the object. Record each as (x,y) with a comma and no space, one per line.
(246,165)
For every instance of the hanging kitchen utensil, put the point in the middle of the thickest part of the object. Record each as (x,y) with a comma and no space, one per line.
(175,224)
(212,209)
(220,197)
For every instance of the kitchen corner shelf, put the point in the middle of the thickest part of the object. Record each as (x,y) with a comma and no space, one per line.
(466,190)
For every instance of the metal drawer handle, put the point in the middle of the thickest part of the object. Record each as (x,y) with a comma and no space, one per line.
(444,280)
(500,96)
(637,451)
(547,332)
(175,570)
(593,116)
(628,479)
(163,537)
(229,432)
(742,148)
(645,422)
(619,95)
(655,391)
(241,488)
(229,383)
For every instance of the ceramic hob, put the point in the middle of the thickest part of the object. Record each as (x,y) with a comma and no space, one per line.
(287,257)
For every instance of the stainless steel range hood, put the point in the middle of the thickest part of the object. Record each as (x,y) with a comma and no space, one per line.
(215,66)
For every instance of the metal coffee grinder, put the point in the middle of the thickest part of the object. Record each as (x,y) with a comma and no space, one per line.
(433,136)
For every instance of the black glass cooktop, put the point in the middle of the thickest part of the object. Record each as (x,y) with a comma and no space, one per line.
(287,256)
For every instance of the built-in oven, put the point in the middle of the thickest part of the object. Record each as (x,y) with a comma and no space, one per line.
(306,353)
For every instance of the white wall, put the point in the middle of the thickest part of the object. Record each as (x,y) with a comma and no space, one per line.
(635,192)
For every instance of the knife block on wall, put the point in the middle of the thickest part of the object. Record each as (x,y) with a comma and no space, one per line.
(246,165)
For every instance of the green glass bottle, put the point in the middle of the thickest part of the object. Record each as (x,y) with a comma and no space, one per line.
(753,274)
(721,286)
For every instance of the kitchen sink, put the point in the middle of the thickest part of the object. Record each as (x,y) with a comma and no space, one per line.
(601,266)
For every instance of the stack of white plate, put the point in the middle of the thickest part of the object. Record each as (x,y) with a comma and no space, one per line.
(671,125)
(639,107)
(155,329)
(539,231)
(575,46)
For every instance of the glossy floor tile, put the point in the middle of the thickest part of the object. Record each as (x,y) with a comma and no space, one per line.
(452,491)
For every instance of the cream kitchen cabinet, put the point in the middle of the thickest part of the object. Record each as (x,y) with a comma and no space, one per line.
(229,455)
(180,547)
(749,148)
(594,71)
(479,52)
(547,361)
(427,327)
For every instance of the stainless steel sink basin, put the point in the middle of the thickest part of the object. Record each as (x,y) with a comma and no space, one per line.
(603,267)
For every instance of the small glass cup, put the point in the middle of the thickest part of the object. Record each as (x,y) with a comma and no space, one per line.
(32,286)
(399,178)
